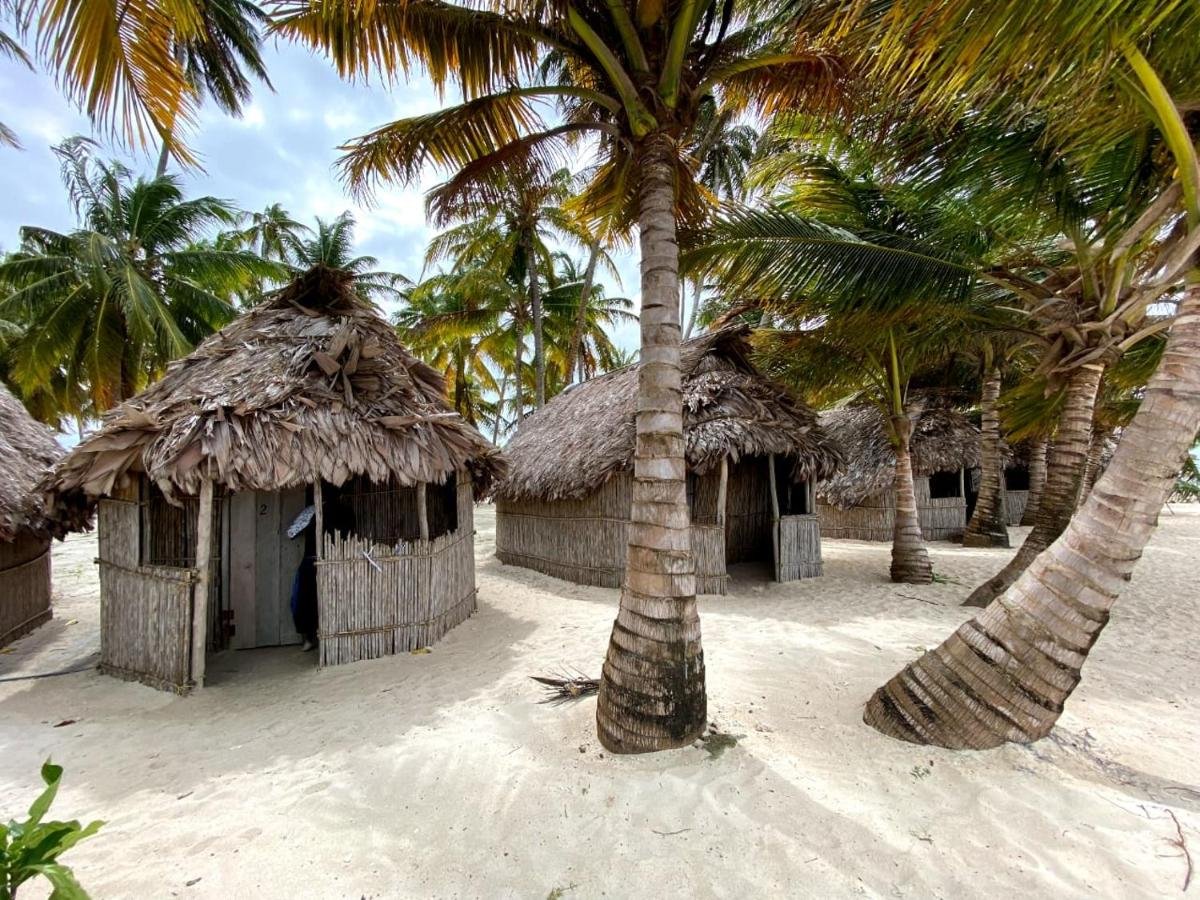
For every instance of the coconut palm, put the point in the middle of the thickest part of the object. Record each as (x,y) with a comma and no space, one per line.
(220,57)
(632,76)
(1006,674)
(140,70)
(10,49)
(578,327)
(331,244)
(110,304)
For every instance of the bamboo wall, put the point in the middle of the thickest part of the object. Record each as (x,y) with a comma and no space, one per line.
(376,599)
(799,548)
(585,541)
(1014,506)
(145,611)
(942,519)
(24,586)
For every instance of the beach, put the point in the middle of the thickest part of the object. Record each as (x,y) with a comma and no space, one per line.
(441,774)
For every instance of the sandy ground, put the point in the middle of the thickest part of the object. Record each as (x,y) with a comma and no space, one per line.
(441,775)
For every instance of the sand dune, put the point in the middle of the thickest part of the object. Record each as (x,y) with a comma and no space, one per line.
(441,775)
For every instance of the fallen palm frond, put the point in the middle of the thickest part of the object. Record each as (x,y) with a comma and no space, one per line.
(566,686)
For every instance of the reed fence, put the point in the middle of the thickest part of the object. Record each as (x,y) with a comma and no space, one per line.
(24,586)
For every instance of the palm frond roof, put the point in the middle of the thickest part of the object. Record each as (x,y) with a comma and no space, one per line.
(27,451)
(943,440)
(578,440)
(311,383)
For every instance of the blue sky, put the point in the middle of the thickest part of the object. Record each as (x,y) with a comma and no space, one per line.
(282,150)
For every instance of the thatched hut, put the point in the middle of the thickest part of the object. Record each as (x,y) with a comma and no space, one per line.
(27,451)
(754,453)
(859,502)
(308,400)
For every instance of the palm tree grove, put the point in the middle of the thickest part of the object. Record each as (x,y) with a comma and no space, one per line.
(640,448)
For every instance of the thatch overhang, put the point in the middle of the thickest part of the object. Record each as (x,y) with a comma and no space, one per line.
(583,436)
(942,440)
(312,383)
(27,451)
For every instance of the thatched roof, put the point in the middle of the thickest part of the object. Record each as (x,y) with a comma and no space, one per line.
(577,441)
(27,451)
(311,382)
(942,440)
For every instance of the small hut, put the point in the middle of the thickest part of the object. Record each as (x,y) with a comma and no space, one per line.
(859,502)
(27,451)
(754,454)
(306,409)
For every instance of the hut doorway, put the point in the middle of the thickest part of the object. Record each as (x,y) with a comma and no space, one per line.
(261,562)
(770,518)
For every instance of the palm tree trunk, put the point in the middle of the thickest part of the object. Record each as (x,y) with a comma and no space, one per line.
(1064,469)
(1091,466)
(989,526)
(575,350)
(518,365)
(910,558)
(652,686)
(164,157)
(535,309)
(1037,480)
(691,319)
(1005,674)
(500,409)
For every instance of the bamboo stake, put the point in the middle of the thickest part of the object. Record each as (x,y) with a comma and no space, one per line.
(774,493)
(422,511)
(319,506)
(200,588)
(722,488)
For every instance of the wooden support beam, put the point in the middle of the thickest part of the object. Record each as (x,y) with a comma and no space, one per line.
(319,506)
(774,492)
(722,490)
(962,483)
(422,511)
(203,579)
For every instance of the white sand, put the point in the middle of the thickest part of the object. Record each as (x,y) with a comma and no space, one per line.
(441,775)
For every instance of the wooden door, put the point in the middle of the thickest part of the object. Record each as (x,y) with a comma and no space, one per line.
(262,566)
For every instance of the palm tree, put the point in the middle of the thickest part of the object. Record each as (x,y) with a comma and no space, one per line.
(273,233)
(525,201)
(578,326)
(110,304)
(10,49)
(219,58)
(633,76)
(139,70)
(1006,674)
(331,244)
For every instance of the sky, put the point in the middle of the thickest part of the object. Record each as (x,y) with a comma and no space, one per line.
(282,150)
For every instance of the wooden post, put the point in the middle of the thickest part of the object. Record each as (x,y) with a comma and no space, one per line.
(319,507)
(200,587)
(422,511)
(962,483)
(774,492)
(722,488)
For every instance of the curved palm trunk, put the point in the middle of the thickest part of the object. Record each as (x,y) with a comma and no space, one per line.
(1037,481)
(910,558)
(535,310)
(518,365)
(1091,466)
(652,687)
(691,319)
(989,525)
(1005,675)
(1064,469)
(575,351)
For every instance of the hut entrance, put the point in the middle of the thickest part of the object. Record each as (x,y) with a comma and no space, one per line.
(769,518)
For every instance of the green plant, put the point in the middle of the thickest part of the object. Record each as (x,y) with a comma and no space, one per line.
(32,847)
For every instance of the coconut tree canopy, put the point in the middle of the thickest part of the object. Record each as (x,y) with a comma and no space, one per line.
(942,440)
(311,383)
(584,435)
(27,450)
